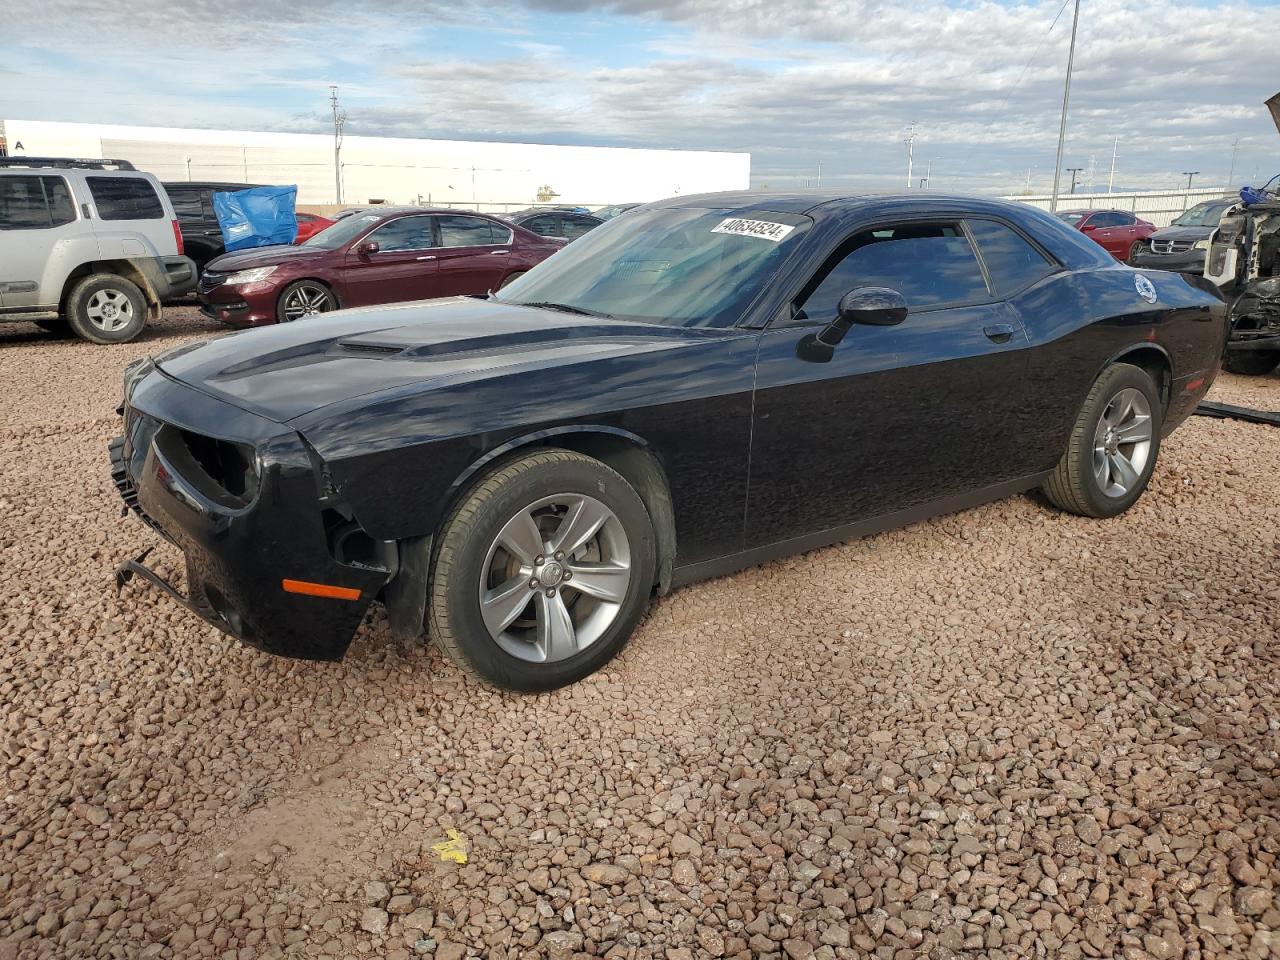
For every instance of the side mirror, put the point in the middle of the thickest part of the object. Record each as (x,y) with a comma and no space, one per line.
(1089,228)
(367,248)
(873,306)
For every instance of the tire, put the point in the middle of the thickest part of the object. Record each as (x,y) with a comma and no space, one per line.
(106,308)
(512,278)
(1251,363)
(304,298)
(1089,480)
(509,644)
(1134,249)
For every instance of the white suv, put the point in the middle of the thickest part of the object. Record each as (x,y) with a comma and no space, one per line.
(89,244)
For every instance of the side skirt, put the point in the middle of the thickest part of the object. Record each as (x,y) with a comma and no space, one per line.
(720,566)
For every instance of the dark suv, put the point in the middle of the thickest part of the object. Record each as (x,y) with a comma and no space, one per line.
(1182,245)
(193,203)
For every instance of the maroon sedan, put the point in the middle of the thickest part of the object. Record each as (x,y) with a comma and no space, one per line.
(378,256)
(1116,231)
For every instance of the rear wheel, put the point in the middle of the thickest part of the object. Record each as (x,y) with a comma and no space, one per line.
(1251,363)
(542,572)
(304,298)
(106,308)
(1134,249)
(1112,450)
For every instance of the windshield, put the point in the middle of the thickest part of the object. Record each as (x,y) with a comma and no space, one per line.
(1071,218)
(344,231)
(1203,215)
(686,266)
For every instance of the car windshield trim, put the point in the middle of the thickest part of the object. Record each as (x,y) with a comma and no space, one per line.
(678,266)
(343,231)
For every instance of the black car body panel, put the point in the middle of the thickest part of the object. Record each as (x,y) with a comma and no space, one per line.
(368,424)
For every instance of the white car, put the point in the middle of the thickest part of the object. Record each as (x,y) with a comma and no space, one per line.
(92,245)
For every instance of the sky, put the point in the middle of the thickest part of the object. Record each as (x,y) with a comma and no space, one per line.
(830,84)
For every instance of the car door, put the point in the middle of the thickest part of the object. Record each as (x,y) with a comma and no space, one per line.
(899,415)
(41,240)
(1107,230)
(473,254)
(404,265)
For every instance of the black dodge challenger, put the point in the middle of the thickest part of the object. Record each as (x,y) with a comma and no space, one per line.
(701,385)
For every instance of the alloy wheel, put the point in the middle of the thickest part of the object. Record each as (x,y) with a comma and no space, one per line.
(1122,442)
(307,300)
(109,310)
(555,578)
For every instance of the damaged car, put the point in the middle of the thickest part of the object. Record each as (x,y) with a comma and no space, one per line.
(1244,262)
(699,386)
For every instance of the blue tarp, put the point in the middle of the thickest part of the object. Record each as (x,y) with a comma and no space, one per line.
(257,217)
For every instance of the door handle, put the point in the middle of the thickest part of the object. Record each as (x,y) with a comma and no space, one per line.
(999,332)
(498,253)
(426,258)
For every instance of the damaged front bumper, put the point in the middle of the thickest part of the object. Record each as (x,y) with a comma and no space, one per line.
(271,557)
(1255,317)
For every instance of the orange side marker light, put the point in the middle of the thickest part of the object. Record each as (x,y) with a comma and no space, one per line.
(320,590)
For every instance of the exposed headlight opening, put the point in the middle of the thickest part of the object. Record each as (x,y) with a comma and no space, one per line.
(249,276)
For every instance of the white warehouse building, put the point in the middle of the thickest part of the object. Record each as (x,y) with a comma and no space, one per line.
(460,173)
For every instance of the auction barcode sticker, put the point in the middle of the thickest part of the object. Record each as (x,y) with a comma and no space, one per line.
(764,229)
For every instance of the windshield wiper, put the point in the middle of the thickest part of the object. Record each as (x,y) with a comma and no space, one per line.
(567,308)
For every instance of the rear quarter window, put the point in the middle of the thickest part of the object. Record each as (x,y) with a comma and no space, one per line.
(125,198)
(1012,262)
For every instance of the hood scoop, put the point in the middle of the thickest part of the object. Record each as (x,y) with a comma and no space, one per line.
(400,342)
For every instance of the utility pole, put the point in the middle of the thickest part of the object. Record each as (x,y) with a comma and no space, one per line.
(1073,171)
(1235,147)
(1190,174)
(339,118)
(1066,99)
(819,173)
(1111,180)
(910,141)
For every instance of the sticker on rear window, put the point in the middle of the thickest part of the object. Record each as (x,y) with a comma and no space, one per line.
(765,230)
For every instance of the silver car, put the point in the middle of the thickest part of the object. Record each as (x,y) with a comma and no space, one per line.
(89,245)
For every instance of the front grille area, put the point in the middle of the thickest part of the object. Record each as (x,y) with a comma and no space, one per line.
(210,280)
(1171,246)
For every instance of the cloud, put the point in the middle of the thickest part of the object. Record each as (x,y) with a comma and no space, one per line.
(833,82)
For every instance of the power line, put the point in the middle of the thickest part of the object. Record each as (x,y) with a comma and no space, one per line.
(1034,54)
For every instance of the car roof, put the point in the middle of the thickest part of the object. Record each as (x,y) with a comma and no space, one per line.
(824,203)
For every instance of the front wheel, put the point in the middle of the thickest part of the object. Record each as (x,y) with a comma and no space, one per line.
(1251,363)
(1112,449)
(542,572)
(304,298)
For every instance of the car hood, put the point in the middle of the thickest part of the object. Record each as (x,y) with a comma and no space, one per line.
(289,370)
(1182,233)
(263,257)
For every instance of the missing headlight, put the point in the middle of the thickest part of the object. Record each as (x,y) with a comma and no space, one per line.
(232,466)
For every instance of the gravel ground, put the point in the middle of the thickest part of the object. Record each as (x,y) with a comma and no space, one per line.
(1005,733)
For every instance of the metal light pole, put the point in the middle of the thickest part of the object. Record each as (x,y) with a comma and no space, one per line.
(1066,99)
(1190,174)
(339,118)
(1111,180)
(1073,171)
(910,142)
(1235,148)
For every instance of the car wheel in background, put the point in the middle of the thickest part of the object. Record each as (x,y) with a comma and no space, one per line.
(511,279)
(1251,363)
(303,298)
(1134,249)
(106,308)
(1113,446)
(542,571)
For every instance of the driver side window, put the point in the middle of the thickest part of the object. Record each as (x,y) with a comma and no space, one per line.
(930,264)
(407,233)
